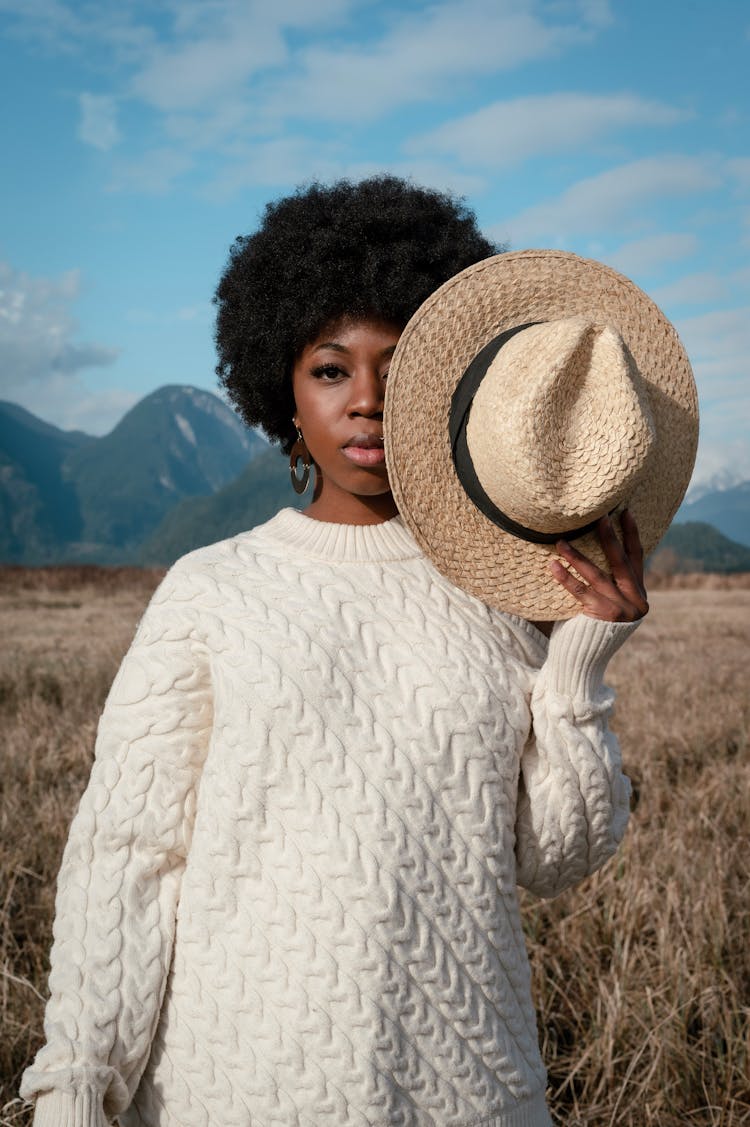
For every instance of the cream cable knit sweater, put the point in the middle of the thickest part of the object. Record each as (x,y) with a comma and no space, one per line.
(288,898)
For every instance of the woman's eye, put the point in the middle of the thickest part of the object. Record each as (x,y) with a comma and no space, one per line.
(328,372)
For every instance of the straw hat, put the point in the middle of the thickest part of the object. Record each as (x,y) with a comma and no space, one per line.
(528,396)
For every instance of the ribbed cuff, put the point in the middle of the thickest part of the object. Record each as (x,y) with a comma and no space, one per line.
(529,1113)
(69,1109)
(579,650)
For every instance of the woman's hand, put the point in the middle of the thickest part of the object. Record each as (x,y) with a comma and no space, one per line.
(619,597)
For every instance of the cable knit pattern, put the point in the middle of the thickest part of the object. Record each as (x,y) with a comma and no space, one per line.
(288,898)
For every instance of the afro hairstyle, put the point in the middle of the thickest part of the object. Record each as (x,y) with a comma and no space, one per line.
(373,249)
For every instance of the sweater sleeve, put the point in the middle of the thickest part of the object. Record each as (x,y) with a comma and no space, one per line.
(573,800)
(119,881)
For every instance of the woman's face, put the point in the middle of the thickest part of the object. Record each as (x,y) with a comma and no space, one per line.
(339,387)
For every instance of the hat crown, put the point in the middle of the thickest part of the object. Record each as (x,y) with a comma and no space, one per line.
(560,428)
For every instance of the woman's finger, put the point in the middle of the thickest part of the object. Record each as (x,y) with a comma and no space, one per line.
(626,559)
(585,567)
(619,596)
(594,602)
(632,544)
(626,569)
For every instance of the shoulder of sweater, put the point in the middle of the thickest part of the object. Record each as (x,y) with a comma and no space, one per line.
(196,579)
(212,555)
(239,550)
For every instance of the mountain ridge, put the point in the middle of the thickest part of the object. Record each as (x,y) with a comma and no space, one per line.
(255,496)
(38,507)
(180,470)
(727,509)
(70,497)
(190,444)
(694,546)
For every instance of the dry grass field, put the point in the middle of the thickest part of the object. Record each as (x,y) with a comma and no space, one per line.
(642,975)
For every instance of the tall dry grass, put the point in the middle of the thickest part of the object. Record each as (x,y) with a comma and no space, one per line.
(64,633)
(642,975)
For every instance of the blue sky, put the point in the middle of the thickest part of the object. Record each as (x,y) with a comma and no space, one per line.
(140,138)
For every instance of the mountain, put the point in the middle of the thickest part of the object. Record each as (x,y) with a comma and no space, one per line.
(695,546)
(177,442)
(717,482)
(38,509)
(727,509)
(66,497)
(260,491)
(180,470)
(263,488)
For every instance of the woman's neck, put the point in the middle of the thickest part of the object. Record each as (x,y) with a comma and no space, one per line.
(351,508)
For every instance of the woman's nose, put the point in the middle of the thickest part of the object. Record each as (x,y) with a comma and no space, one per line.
(367,393)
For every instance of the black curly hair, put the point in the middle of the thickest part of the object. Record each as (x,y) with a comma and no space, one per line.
(376,249)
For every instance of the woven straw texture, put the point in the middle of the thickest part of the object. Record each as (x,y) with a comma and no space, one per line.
(434,351)
(558,432)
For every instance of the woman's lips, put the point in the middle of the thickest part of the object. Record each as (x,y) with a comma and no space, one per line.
(365,450)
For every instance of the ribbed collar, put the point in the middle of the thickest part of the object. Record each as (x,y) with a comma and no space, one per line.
(340,543)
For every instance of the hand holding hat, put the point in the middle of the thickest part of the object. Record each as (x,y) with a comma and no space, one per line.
(530,396)
(617,597)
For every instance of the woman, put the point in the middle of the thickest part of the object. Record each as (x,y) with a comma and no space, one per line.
(289,894)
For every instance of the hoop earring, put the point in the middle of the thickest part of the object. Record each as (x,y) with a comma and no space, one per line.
(299,452)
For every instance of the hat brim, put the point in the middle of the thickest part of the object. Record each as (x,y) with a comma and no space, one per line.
(433,352)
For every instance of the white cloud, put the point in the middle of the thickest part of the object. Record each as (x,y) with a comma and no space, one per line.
(423,54)
(718,455)
(442,175)
(507,133)
(722,331)
(48,22)
(700,288)
(71,405)
(37,330)
(614,199)
(98,124)
(200,18)
(66,28)
(300,159)
(153,173)
(718,344)
(644,257)
(95,412)
(211,127)
(596,12)
(218,73)
(740,170)
(274,163)
(740,277)
(176,57)
(218,47)
(203,70)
